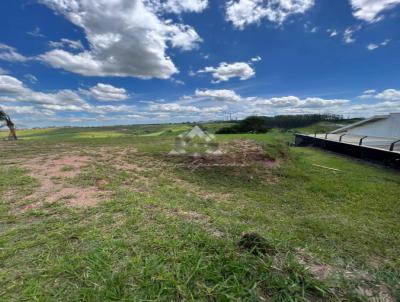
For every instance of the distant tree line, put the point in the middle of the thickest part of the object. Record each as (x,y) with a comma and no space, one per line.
(261,124)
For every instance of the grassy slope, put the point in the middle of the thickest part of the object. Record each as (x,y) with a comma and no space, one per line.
(137,247)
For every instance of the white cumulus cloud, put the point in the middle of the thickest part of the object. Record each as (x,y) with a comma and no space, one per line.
(389,95)
(183,110)
(225,71)
(173,107)
(221,95)
(313,102)
(371,10)
(8,53)
(126,38)
(106,92)
(285,101)
(103,109)
(9,84)
(294,101)
(26,100)
(245,12)
(178,6)
(392,95)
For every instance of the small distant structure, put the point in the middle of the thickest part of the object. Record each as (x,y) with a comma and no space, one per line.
(376,138)
(195,142)
(6,118)
(387,126)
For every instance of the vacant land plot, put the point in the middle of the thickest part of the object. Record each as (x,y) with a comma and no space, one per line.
(106,214)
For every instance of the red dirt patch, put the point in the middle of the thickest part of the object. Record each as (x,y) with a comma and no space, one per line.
(64,167)
(79,196)
(54,171)
(61,167)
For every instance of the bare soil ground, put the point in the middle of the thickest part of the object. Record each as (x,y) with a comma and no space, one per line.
(53,173)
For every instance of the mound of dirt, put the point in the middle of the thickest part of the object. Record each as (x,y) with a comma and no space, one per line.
(236,153)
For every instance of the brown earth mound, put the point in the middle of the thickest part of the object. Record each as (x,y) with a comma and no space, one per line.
(236,153)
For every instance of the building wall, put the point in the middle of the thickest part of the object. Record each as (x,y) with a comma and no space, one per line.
(389,127)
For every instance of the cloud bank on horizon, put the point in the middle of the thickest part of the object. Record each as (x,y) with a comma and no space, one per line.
(130,61)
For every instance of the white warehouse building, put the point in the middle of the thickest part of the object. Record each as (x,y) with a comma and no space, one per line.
(385,126)
(376,138)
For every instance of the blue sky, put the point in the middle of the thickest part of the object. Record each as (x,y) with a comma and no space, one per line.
(105,62)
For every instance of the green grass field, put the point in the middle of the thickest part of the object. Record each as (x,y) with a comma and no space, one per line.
(104,214)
